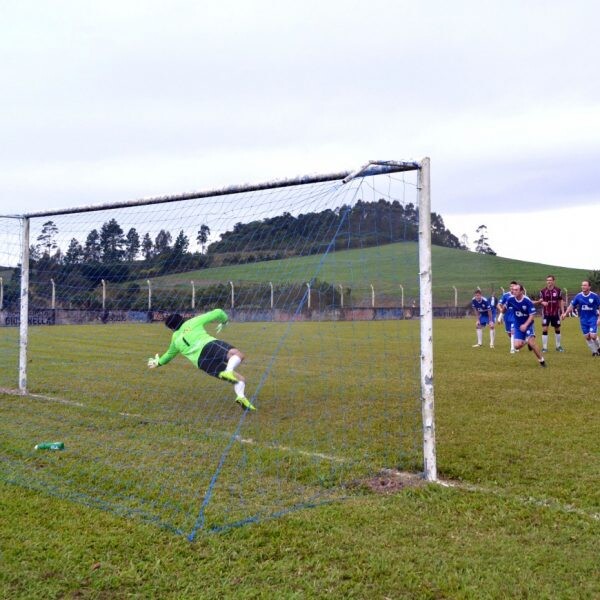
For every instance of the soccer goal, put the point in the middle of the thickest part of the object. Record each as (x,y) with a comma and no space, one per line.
(326,281)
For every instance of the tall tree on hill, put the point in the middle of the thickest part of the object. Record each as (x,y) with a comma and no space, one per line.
(181,245)
(132,244)
(74,254)
(162,243)
(481,243)
(46,240)
(202,237)
(147,247)
(112,242)
(92,251)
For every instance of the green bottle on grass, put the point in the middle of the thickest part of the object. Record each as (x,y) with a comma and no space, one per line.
(50,446)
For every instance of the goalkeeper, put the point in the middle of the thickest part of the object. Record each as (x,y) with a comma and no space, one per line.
(213,356)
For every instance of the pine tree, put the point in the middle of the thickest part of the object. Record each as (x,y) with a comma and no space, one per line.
(132,244)
(182,242)
(162,243)
(91,250)
(74,254)
(147,247)
(112,242)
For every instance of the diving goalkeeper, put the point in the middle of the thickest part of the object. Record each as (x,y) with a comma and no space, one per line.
(213,356)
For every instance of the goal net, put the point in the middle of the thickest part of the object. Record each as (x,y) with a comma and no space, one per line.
(326,282)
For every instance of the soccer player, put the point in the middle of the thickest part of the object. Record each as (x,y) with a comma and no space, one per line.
(587,304)
(483,311)
(213,356)
(524,313)
(553,306)
(507,315)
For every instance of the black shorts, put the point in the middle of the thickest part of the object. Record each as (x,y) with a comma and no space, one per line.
(213,358)
(551,321)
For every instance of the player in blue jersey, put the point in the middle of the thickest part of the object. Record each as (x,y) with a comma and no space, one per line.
(506,314)
(524,313)
(483,312)
(587,304)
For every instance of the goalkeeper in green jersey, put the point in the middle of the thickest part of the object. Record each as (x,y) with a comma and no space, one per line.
(213,356)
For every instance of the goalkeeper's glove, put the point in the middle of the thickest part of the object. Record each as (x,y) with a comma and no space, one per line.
(153,362)
(220,326)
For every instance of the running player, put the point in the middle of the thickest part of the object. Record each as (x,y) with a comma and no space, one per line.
(524,313)
(507,315)
(483,311)
(587,304)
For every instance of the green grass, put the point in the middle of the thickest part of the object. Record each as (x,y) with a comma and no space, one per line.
(523,520)
(131,430)
(388,266)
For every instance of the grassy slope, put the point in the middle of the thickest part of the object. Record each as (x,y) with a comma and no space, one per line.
(387,266)
(527,438)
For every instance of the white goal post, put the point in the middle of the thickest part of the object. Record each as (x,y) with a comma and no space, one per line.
(343,178)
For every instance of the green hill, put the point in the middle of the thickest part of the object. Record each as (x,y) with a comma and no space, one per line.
(388,266)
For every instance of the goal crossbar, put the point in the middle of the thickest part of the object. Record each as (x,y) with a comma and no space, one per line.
(372,168)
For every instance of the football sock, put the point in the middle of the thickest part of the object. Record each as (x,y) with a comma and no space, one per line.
(492,336)
(545,341)
(592,345)
(557,336)
(480,337)
(239,388)
(233,362)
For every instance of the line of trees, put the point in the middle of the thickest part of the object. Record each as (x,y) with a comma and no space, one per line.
(112,245)
(109,253)
(363,225)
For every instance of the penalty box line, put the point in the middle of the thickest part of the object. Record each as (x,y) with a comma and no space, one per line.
(224,434)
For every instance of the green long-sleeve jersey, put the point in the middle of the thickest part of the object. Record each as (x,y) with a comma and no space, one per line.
(191,337)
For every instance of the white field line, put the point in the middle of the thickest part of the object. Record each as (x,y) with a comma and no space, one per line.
(225,434)
(469,487)
(553,504)
(251,442)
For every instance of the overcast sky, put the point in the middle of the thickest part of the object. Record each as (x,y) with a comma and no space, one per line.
(112,101)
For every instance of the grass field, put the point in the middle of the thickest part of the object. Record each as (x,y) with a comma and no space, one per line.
(518,445)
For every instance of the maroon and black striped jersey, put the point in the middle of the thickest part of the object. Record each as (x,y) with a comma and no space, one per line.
(553,297)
